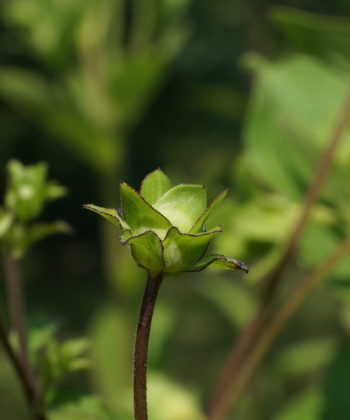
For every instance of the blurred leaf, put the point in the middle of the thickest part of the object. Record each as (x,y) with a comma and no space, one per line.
(38,231)
(40,335)
(87,408)
(51,107)
(49,29)
(306,405)
(324,36)
(134,84)
(163,326)
(6,219)
(170,401)
(112,336)
(167,400)
(289,121)
(337,383)
(327,238)
(220,100)
(231,298)
(74,347)
(305,357)
(60,359)
(55,191)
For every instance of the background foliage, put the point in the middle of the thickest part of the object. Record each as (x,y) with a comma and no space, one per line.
(238,94)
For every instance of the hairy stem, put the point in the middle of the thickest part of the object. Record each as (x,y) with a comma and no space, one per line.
(17,315)
(141,346)
(250,334)
(276,325)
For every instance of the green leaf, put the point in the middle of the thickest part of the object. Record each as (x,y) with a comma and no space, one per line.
(110,214)
(198,226)
(183,250)
(232,299)
(218,261)
(154,186)
(302,358)
(287,121)
(319,35)
(147,251)
(183,205)
(54,190)
(307,404)
(6,219)
(87,408)
(336,404)
(141,216)
(75,347)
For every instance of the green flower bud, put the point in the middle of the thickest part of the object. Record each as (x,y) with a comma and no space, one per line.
(165,226)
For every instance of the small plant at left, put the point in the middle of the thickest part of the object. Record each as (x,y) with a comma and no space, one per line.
(27,192)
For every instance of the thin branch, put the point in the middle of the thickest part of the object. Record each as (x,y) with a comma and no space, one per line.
(16,362)
(276,325)
(20,372)
(21,362)
(141,346)
(16,304)
(249,335)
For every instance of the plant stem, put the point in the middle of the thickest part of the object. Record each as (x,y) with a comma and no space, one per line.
(141,346)
(17,315)
(250,334)
(16,303)
(16,362)
(275,326)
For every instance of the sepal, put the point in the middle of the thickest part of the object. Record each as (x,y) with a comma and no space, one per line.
(140,215)
(218,261)
(147,251)
(154,186)
(108,213)
(183,250)
(198,225)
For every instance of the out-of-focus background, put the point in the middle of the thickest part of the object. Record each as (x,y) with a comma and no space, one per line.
(232,94)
